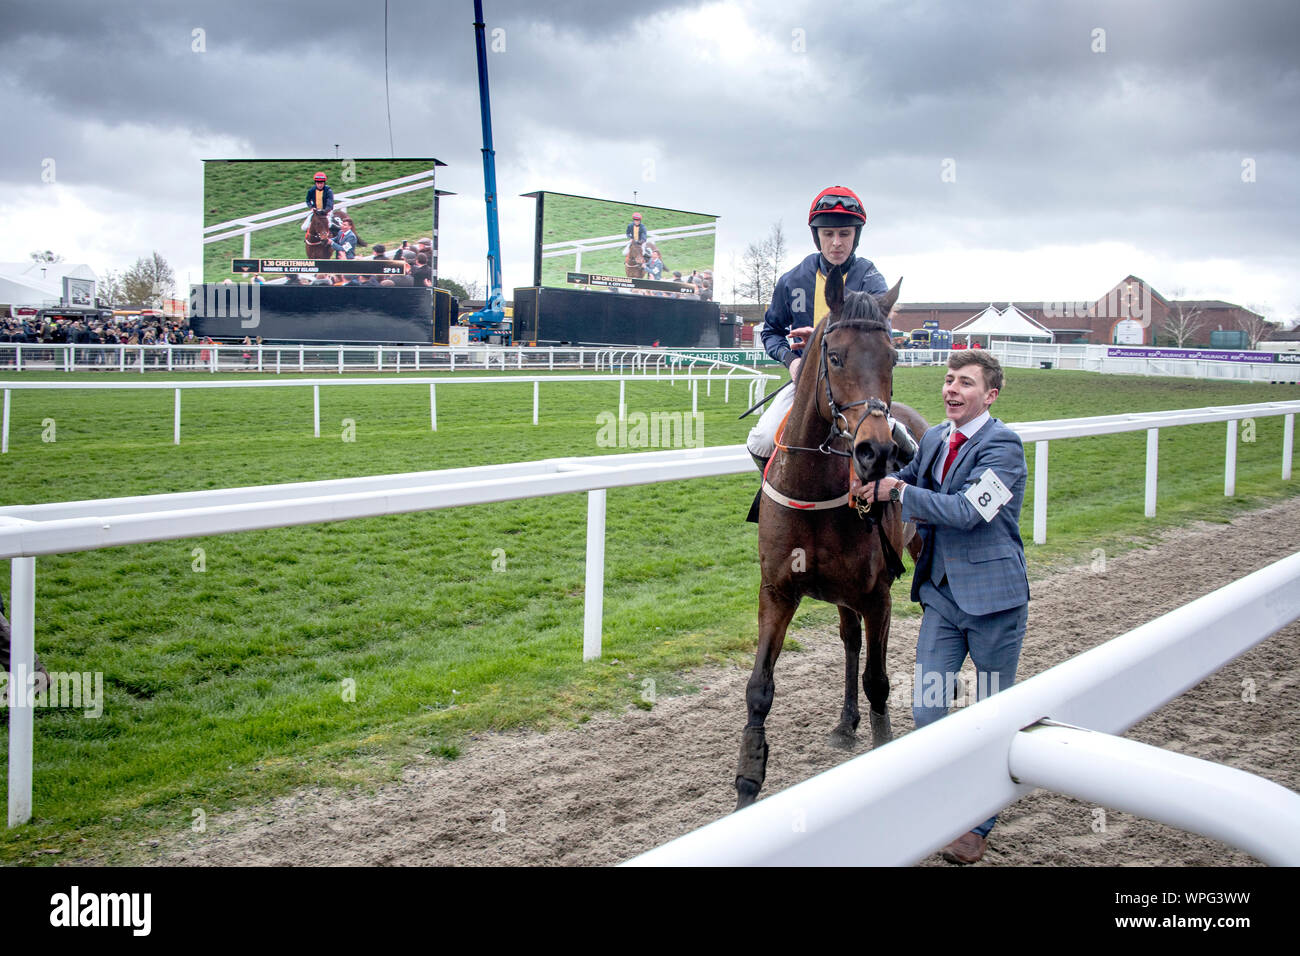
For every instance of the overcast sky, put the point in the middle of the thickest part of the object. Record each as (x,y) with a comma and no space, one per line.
(1082,141)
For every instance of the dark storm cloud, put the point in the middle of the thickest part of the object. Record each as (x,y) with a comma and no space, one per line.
(1052,142)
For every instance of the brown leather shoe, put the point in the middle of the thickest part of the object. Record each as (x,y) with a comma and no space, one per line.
(967,848)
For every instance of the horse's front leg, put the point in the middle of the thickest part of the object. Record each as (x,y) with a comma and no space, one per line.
(775,610)
(875,681)
(851,634)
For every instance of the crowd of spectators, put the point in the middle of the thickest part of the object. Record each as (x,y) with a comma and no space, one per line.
(414,256)
(135,330)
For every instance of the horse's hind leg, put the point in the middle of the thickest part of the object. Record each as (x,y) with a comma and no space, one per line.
(774,614)
(851,634)
(875,682)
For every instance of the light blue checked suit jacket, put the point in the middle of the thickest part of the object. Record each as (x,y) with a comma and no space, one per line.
(983,560)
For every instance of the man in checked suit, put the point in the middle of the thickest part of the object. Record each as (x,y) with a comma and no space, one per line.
(971,577)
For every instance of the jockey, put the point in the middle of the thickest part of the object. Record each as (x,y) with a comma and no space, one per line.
(637,230)
(836,218)
(320,198)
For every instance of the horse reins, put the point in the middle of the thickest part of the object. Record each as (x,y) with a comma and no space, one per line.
(873,405)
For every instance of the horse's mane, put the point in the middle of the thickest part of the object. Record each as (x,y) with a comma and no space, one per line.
(861,311)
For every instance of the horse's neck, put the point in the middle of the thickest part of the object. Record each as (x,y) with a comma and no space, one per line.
(815,473)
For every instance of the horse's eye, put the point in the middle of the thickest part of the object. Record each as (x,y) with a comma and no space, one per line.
(834,359)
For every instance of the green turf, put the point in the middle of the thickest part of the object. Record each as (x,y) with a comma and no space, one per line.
(229,684)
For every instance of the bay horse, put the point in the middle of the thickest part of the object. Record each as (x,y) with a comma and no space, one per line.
(634,261)
(318,237)
(818,543)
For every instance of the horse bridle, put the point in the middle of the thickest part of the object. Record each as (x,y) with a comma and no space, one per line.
(872,403)
(320,239)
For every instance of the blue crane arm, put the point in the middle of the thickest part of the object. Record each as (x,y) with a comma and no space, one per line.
(494,311)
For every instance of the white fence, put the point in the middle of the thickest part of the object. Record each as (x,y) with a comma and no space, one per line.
(31,530)
(302,358)
(1041,433)
(900,802)
(1093,358)
(754,383)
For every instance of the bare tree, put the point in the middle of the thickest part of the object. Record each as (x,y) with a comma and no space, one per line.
(1183,320)
(777,249)
(46,256)
(110,289)
(1257,327)
(761,265)
(149,281)
(756,273)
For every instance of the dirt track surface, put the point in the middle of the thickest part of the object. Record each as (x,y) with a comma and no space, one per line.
(622,784)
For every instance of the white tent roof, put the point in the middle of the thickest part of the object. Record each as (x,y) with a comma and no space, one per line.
(36,283)
(1010,321)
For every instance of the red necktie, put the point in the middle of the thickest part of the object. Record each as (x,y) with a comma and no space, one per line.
(954,444)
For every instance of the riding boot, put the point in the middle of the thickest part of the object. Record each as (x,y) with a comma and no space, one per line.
(759,460)
(907,447)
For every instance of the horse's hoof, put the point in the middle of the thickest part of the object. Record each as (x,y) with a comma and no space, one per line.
(842,738)
(881,733)
(746,792)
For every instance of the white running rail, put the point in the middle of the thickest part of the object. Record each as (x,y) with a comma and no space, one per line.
(901,802)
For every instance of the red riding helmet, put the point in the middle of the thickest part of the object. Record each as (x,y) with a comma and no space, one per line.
(636,215)
(837,206)
(320,177)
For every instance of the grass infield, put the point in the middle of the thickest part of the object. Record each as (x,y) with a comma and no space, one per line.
(231,684)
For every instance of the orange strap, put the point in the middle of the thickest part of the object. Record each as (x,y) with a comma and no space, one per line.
(780,433)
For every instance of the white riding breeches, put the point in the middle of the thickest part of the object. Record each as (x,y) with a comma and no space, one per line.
(762,437)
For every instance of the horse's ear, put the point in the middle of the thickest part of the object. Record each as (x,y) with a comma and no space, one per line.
(835,290)
(886,301)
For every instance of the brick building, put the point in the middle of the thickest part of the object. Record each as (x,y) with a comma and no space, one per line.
(1130,313)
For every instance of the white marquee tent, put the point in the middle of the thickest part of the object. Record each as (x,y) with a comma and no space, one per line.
(38,284)
(1009,325)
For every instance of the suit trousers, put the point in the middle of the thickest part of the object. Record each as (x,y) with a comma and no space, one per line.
(947,635)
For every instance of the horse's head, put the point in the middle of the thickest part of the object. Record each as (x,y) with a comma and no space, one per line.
(855,378)
(320,225)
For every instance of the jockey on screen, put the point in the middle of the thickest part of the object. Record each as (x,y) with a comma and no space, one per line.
(636,230)
(320,198)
